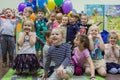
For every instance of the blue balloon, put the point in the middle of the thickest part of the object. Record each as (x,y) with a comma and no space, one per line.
(31,1)
(41,3)
(31,5)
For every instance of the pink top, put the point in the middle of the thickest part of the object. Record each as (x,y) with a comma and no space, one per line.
(80,58)
(55,25)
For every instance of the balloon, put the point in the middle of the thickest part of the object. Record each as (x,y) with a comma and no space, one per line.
(21,6)
(69,13)
(41,3)
(31,5)
(74,10)
(58,2)
(51,5)
(32,16)
(31,1)
(19,27)
(67,6)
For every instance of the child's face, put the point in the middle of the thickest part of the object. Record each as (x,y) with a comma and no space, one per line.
(26,13)
(113,39)
(8,13)
(52,17)
(59,20)
(94,31)
(77,42)
(56,37)
(49,40)
(72,19)
(40,15)
(27,26)
(64,20)
(84,20)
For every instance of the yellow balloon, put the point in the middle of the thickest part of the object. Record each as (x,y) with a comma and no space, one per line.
(32,16)
(51,5)
(69,13)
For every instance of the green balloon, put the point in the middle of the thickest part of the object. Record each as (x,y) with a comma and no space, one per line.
(58,2)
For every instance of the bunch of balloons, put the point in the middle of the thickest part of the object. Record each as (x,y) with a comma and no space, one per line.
(65,4)
(31,3)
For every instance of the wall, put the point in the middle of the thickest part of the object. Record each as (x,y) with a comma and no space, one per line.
(77,4)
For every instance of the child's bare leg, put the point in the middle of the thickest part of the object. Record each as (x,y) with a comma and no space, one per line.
(102,71)
(88,71)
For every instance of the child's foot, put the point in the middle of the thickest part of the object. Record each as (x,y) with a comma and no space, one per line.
(4,65)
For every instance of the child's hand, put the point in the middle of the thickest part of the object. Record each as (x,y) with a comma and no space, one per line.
(90,36)
(93,79)
(60,71)
(44,76)
(30,34)
(45,4)
(98,36)
(20,13)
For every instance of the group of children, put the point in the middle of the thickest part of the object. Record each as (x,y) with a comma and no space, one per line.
(71,46)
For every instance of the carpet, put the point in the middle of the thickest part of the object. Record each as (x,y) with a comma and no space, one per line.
(10,75)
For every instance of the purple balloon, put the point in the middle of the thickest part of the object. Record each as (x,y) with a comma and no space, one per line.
(67,6)
(21,6)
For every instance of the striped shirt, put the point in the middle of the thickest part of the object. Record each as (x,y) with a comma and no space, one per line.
(61,55)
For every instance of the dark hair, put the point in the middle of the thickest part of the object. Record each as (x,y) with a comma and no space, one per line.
(41,10)
(48,33)
(74,15)
(8,9)
(84,38)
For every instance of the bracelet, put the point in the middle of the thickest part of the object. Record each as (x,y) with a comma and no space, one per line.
(92,77)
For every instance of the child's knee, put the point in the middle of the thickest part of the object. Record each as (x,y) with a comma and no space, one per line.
(102,71)
(88,71)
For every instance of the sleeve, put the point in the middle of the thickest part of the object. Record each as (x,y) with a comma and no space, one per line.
(77,28)
(68,56)
(87,53)
(48,61)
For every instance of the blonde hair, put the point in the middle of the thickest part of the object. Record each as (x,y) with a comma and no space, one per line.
(112,33)
(29,9)
(92,27)
(32,23)
(61,31)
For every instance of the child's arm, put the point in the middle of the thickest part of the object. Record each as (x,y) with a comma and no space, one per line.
(47,65)
(32,37)
(68,56)
(91,66)
(98,23)
(21,38)
(91,46)
(116,51)
(47,8)
(102,47)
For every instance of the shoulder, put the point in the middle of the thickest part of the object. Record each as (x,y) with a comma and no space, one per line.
(51,48)
(66,45)
(86,52)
